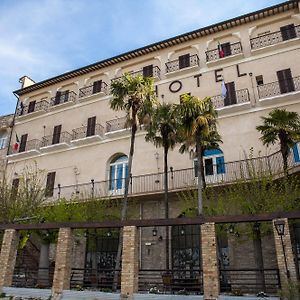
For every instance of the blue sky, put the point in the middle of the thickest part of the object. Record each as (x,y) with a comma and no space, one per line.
(44,38)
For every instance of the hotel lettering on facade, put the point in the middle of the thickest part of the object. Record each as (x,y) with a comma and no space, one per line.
(66,126)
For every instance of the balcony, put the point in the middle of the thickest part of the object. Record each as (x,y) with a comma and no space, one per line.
(116,127)
(232,51)
(241,97)
(62,100)
(85,93)
(287,88)
(56,142)
(32,109)
(275,38)
(85,135)
(153,72)
(30,148)
(176,65)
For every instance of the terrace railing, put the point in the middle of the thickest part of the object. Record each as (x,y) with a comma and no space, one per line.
(85,131)
(69,96)
(279,87)
(116,124)
(30,108)
(90,90)
(155,72)
(242,96)
(30,145)
(64,137)
(214,54)
(174,65)
(273,38)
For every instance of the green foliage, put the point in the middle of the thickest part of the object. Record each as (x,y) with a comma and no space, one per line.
(290,291)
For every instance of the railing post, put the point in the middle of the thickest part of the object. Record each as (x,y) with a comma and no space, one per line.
(8,257)
(59,188)
(211,282)
(93,187)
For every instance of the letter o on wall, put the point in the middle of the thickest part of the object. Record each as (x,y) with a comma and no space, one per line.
(175,86)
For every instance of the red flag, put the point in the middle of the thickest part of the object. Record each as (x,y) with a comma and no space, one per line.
(221,51)
(16,145)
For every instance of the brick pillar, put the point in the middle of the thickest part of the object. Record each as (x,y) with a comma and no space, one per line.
(130,269)
(288,254)
(63,259)
(211,283)
(8,257)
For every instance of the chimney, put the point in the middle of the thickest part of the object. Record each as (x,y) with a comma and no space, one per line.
(26,81)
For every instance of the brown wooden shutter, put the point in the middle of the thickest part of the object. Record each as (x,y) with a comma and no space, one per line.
(97,86)
(31,106)
(285,80)
(91,126)
(288,32)
(23,143)
(50,184)
(57,98)
(56,134)
(148,71)
(226,48)
(15,187)
(65,96)
(230,98)
(184,61)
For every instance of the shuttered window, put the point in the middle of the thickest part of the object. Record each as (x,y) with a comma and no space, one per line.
(97,86)
(57,98)
(15,187)
(31,106)
(296,153)
(285,79)
(50,184)
(91,125)
(23,143)
(56,134)
(288,32)
(226,49)
(208,166)
(230,98)
(148,71)
(184,61)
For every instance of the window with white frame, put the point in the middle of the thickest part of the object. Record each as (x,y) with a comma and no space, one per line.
(296,153)
(3,139)
(118,171)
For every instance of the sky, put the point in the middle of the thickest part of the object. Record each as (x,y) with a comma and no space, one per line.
(45,38)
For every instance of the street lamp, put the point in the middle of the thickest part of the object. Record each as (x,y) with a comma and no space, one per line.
(279,225)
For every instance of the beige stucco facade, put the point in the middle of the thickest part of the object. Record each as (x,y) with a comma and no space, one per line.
(79,161)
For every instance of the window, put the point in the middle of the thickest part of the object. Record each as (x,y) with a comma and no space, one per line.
(91,126)
(118,171)
(288,32)
(148,71)
(56,134)
(15,187)
(50,184)
(184,61)
(259,80)
(31,106)
(296,152)
(3,139)
(61,97)
(226,47)
(97,86)
(230,98)
(23,143)
(285,80)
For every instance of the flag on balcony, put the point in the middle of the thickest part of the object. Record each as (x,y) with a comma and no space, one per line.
(16,145)
(221,51)
(223,89)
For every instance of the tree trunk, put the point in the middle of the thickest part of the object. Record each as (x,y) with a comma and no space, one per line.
(202,170)
(166,186)
(200,166)
(43,272)
(125,200)
(284,149)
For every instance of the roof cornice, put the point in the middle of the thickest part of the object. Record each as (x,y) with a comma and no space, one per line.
(247,18)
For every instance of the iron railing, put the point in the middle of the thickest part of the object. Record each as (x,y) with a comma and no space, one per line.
(173,65)
(30,145)
(116,124)
(27,109)
(214,54)
(279,87)
(271,38)
(83,132)
(155,72)
(250,281)
(171,281)
(63,137)
(178,179)
(242,96)
(63,98)
(89,90)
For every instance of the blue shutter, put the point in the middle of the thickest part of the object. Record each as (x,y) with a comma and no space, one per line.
(220,165)
(120,178)
(296,153)
(112,178)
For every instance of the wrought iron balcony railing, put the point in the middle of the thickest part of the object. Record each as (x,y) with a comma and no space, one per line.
(116,124)
(274,38)
(28,146)
(214,54)
(90,90)
(241,96)
(155,72)
(174,65)
(85,131)
(53,139)
(33,107)
(279,87)
(69,96)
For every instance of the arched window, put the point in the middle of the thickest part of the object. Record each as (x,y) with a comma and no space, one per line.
(296,152)
(118,171)
(3,138)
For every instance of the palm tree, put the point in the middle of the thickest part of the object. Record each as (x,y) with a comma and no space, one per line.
(198,120)
(283,126)
(136,96)
(162,131)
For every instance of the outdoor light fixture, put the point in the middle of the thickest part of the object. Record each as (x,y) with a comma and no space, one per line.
(182,231)
(231,229)
(279,225)
(154,231)
(108,234)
